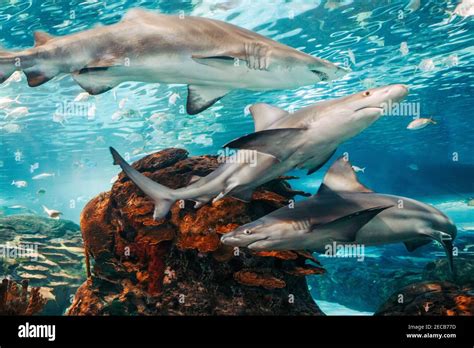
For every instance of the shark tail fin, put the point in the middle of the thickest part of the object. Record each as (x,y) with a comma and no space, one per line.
(162,196)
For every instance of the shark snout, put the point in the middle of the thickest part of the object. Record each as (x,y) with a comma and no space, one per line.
(397,92)
(230,239)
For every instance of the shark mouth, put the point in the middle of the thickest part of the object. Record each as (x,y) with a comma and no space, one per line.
(257,241)
(370,107)
(322,76)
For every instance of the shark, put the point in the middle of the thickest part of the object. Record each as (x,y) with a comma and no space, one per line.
(344,211)
(211,57)
(282,141)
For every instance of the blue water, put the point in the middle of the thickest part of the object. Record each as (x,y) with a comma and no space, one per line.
(435,164)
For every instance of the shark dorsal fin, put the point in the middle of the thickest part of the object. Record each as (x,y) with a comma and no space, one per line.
(41,38)
(341,178)
(264,115)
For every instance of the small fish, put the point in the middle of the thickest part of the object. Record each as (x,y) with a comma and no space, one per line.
(334,4)
(16,207)
(59,118)
(414,5)
(53,214)
(156,117)
(420,123)
(404,48)
(33,167)
(5,102)
(351,56)
(413,167)
(464,9)
(18,112)
(41,191)
(358,169)
(122,103)
(427,65)
(82,97)
(379,41)
(43,176)
(173,98)
(361,17)
(11,128)
(117,115)
(452,60)
(19,183)
(135,138)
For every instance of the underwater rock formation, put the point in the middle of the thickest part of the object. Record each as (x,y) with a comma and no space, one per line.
(430,298)
(17,300)
(46,252)
(439,270)
(177,265)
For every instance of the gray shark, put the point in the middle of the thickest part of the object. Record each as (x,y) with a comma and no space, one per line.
(346,212)
(210,56)
(282,141)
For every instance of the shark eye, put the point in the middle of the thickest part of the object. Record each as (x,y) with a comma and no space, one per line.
(366,93)
(247,232)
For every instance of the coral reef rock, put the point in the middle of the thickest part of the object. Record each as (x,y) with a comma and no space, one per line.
(46,252)
(16,300)
(177,265)
(430,298)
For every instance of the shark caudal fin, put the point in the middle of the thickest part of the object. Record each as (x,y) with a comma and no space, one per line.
(161,195)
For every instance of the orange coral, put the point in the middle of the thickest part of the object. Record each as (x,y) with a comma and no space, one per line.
(17,301)
(284,255)
(464,304)
(306,270)
(264,280)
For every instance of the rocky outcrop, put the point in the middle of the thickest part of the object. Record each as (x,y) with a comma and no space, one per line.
(430,299)
(177,265)
(46,252)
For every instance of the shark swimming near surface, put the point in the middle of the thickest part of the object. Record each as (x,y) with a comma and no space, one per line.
(344,211)
(210,56)
(281,142)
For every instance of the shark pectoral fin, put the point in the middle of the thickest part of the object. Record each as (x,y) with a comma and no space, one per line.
(345,228)
(245,195)
(202,97)
(41,38)
(36,78)
(275,142)
(264,115)
(102,64)
(311,170)
(341,177)
(412,245)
